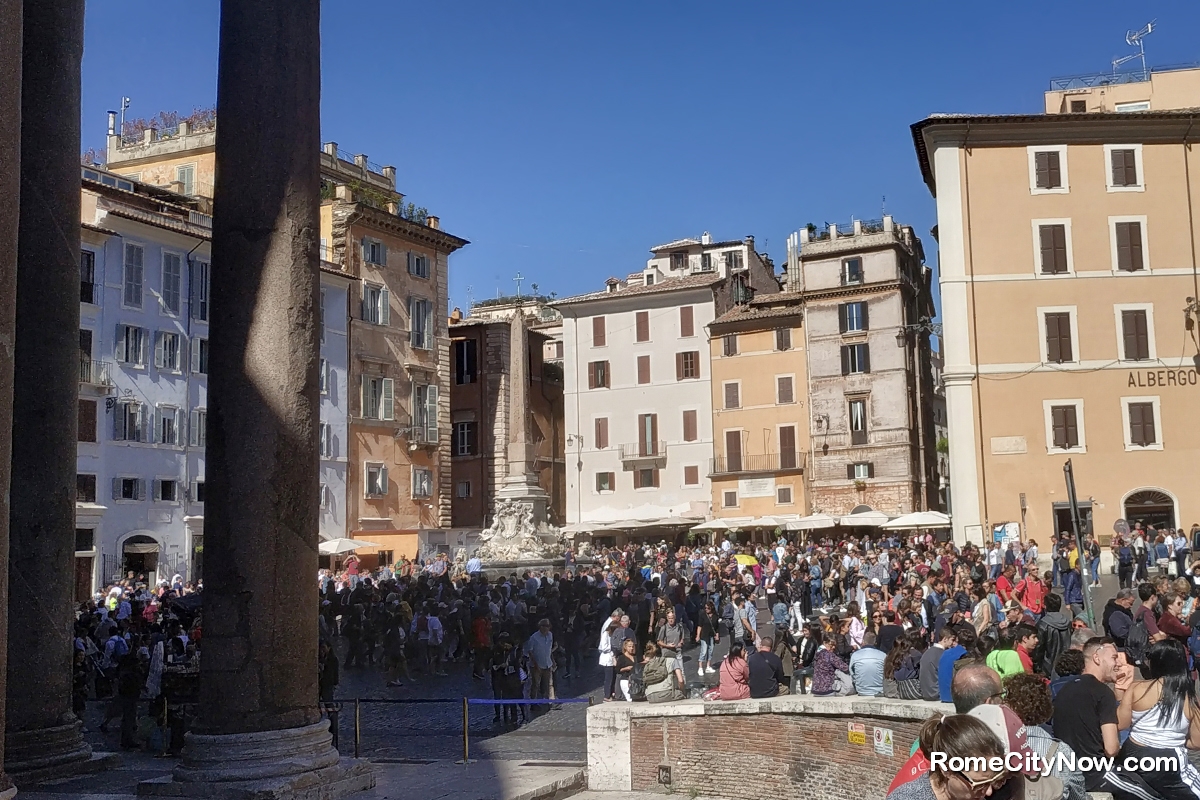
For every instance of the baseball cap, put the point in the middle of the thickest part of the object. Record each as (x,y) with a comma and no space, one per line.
(1009,729)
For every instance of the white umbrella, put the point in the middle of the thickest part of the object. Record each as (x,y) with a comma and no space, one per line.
(918,519)
(811,523)
(338,546)
(868,519)
(712,525)
(765,522)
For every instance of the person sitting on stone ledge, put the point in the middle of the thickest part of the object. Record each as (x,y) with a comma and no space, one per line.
(766,671)
(831,675)
(659,677)
(735,673)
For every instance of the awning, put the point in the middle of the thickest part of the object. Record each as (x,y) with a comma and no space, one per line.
(812,523)
(918,519)
(865,519)
(338,546)
(140,548)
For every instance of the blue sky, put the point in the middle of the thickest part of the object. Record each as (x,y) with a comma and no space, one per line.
(566,139)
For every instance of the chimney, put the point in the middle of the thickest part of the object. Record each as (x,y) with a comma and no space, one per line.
(888,224)
(330,149)
(858,227)
(433,222)
(390,174)
(361,160)
(343,192)
(112,123)
(393,207)
(706,238)
(148,135)
(456,315)
(185,128)
(750,243)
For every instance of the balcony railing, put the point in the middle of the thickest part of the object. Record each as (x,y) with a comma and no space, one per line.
(419,434)
(766,462)
(95,372)
(643,450)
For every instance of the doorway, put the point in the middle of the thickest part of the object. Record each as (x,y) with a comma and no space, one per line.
(1062,520)
(139,555)
(1152,508)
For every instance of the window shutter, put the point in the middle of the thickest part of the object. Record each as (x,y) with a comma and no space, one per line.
(365,249)
(1071,427)
(654,434)
(642,323)
(1053,242)
(689,426)
(849,472)
(654,475)
(845,359)
(178,425)
(787,446)
(1058,422)
(385,307)
(118,422)
(1053,353)
(731,395)
(156,489)
(143,418)
(1053,170)
(865,350)
(642,438)
(784,390)
(1129,333)
(382,254)
(1135,245)
(383,479)
(637,479)
(687,325)
(143,336)
(1142,345)
(643,369)
(866,320)
(1124,261)
(141,489)
(116,488)
(733,451)
(365,307)
(598,332)
(431,414)
(842,322)
(387,405)
(194,428)
(591,374)
(1042,170)
(119,351)
(679,366)
(601,433)
(870,469)
(1136,433)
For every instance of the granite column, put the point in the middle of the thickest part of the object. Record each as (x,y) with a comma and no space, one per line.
(42,735)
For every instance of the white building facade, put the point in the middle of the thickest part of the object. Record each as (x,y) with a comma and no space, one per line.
(334,435)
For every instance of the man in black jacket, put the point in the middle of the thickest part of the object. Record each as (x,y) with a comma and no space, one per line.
(1118,618)
(1054,635)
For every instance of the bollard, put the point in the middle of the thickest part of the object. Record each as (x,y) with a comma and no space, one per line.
(466,759)
(357,727)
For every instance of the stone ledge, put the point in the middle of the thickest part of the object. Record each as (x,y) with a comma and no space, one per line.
(852,705)
(97,762)
(343,779)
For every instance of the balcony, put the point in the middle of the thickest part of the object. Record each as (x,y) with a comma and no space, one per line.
(95,373)
(767,462)
(419,436)
(651,453)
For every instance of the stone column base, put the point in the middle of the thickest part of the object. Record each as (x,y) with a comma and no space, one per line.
(39,755)
(289,764)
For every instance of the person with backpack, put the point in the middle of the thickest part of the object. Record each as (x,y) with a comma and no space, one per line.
(1054,635)
(1124,555)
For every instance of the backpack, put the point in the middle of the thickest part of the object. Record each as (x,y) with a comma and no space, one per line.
(120,648)
(1137,641)
(637,683)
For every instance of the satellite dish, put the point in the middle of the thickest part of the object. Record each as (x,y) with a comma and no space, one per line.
(1121,527)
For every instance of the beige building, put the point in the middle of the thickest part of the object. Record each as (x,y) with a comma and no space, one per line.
(760,409)
(1123,92)
(1068,249)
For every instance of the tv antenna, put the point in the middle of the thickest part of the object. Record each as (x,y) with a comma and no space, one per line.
(1135,39)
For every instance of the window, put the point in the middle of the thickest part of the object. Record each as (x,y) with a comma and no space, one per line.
(679,260)
(198,491)
(87,276)
(129,489)
(418,264)
(374,251)
(643,369)
(420,315)
(648,279)
(1135,335)
(733,451)
(166,490)
(1058,337)
(87,420)
(1048,172)
(606,481)
(856,358)
(687,365)
(200,286)
(729,498)
(1078,106)
(425,411)
(645,478)
(691,475)
(783,495)
(378,397)
(732,394)
(860,471)
(325,440)
(323,376)
(85,489)
(422,483)
(558,349)
(131,345)
(186,178)
(198,428)
(648,435)
(783,338)
(598,375)
(788,457)
(134,275)
(376,305)
(465,361)
(852,317)
(167,429)
(690,432)
(706,263)
(733,260)
(128,419)
(1052,245)
(599,338)
(172,282)
(641,324)
(200,356)
(1128,244)
(1125,167)
(1064,426)
(858,421)
(376,484)
(783,390)
(1125,108)
(730,343)
(166,351)
(462,489)
(601,426)
(852,271)
(687,322)
(1141,414)
(464,438)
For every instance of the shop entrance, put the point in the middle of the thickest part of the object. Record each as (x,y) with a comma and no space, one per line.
(1152,508)
(139,555)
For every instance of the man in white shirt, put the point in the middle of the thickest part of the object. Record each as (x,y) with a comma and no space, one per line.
(437,634)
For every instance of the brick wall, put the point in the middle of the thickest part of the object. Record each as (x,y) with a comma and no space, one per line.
(750,756)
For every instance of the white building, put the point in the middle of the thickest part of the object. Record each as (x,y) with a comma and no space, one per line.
(144,312)
(637,396)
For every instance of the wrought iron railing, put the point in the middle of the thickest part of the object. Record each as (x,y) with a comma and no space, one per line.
(94,372)
(637,450)
(764,462)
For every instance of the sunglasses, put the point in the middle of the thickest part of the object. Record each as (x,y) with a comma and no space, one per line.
(979,788)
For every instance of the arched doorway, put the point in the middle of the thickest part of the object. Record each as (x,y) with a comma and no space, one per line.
(139,555)
(1151,507)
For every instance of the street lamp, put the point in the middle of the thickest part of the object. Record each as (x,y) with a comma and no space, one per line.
(924,325)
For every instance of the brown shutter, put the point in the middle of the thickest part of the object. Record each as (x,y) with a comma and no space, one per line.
(643,369)
(87,420)
(731,395)
(787,447)
(591,374)
(687,325)
(1124,168)
(784,390)
(1054,248)
(689,426)
(598,332)
(601,433)
(733,451)
(1058,338)
(1058,423)
(637,479)
(842,323)
(654,450)
(1141,423)
(1135,334)
(643,326)
(679,366)
(849,472)
(1135,246)
(870,469)
(1048,170)
(845,359)
(1070,427)
(642,439)
(691,476)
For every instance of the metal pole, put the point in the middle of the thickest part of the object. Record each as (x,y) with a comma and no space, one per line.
(1069,473)
(357,727)
(466,745)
